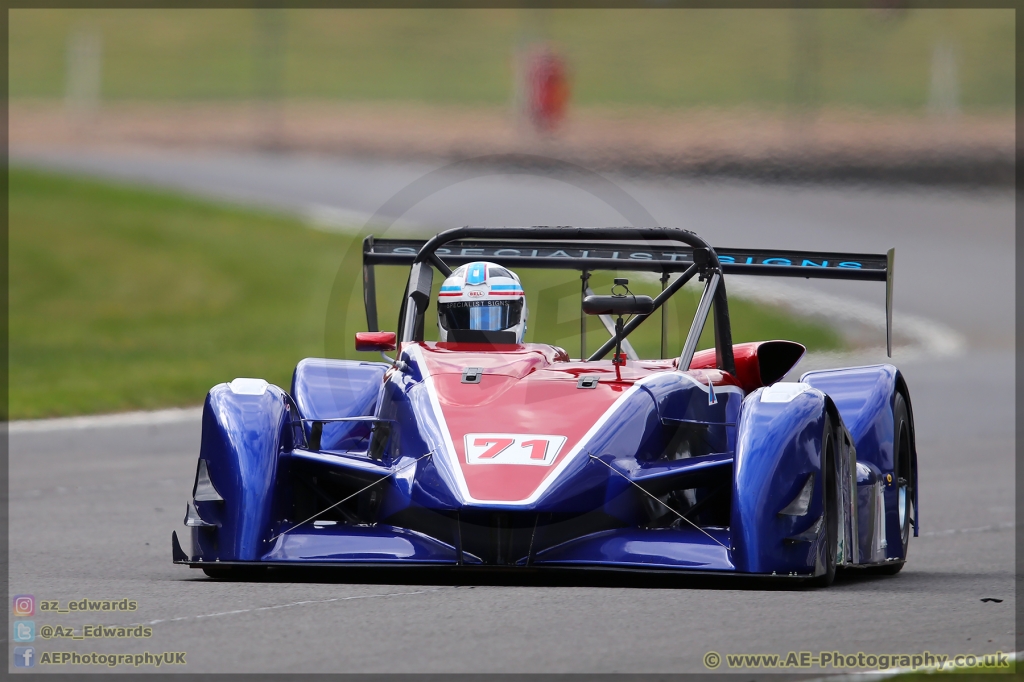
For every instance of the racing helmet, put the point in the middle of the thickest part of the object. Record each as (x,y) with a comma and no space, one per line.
(481,296)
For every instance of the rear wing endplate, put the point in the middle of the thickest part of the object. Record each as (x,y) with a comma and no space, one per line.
(664,258)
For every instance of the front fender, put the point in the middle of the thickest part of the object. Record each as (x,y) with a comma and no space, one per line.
(778,447)
(240,443)
(865,397)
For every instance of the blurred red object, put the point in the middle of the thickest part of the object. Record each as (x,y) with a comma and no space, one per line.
(547,88)
(375,341)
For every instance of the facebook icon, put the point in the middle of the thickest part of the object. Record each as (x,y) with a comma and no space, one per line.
(24,657)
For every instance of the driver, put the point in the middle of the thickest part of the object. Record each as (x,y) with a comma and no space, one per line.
(481,296)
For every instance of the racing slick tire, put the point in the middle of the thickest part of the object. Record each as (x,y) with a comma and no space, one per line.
(830,507)
(904,475)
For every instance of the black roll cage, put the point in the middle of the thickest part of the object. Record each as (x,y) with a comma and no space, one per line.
(611,248)
(417,294)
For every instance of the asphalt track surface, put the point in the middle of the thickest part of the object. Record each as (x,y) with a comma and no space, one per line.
(93,504)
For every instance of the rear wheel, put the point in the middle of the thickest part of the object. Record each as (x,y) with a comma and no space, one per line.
(904,475)
(830,506)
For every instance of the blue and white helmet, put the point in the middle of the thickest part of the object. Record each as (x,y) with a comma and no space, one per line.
(481,296)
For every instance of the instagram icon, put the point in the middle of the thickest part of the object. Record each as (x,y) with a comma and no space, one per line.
(24,605)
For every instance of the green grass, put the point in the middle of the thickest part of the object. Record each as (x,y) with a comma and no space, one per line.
(122,298)
(856,58)
(977,674)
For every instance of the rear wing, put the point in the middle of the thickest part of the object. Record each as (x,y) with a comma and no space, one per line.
(652,257)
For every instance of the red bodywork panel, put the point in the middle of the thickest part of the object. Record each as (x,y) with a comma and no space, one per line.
(776,357)
(748,374)
(525,390)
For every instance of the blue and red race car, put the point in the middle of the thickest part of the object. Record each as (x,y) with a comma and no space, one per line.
(479,450)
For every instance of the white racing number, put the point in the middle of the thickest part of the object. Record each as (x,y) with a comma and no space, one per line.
(513,448)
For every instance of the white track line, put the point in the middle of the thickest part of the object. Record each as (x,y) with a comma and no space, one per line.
(289,605)
(177,415)
(915,337)
(977,529)
(920,337)
(344,221)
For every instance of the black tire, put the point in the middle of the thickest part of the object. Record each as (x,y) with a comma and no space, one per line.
(903,463)
(830,505)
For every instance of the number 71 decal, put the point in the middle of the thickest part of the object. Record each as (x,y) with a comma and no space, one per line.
(513,448)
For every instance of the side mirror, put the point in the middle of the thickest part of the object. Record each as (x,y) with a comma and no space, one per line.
(618,305)
(375,341)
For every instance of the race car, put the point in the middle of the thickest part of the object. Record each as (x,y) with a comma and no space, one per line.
(480,450)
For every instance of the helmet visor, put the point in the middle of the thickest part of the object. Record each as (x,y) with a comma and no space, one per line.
(482,315)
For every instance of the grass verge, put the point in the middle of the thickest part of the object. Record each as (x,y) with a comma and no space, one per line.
(862,58)
(122,298)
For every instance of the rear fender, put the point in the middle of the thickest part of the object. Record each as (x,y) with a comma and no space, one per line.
(778,448)
(240,443)
(866,397)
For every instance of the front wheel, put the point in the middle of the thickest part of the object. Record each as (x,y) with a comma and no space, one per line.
(830,506)
(904,474)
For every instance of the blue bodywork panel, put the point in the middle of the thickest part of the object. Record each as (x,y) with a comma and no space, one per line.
(326,389)
(377,544)
(675,475)
(865,397)
(779,448)
(241,440)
